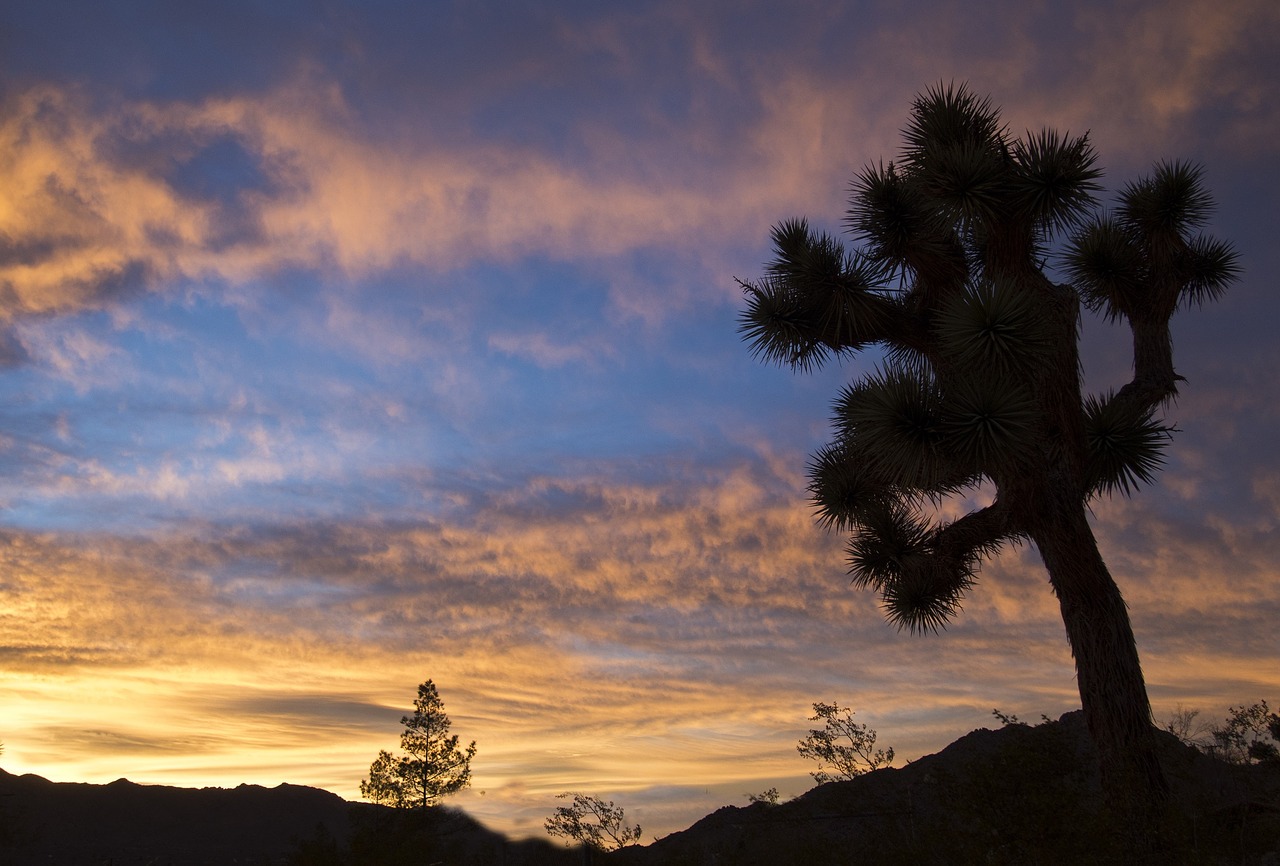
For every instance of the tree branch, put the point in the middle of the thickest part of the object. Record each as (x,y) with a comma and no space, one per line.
(976,535)
(1154,379)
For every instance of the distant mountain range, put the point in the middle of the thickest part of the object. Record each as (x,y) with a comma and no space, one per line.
(123,823)
(1016,795)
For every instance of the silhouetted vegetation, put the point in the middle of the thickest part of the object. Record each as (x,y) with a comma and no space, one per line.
(593,822)
(981,382)
(842,747)
(1025,794)
(1007,719)
(768,797)
(1183,725)
(432,767)
(1250,736)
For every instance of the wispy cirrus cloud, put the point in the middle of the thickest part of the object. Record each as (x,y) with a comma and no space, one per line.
(597,592)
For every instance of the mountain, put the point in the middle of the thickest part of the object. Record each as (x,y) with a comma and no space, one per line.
(122,824)
(1017,795)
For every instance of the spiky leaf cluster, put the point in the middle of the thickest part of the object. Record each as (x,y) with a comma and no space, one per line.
(815,299)
(892,421)
(990,424)
(898,554)
(994,326)
(1146,256)
(1126,447)
(1057,179)
(961,182)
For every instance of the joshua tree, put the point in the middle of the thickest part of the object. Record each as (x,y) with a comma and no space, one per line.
(980,382)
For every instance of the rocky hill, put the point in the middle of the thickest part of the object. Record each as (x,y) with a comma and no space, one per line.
(1017,795)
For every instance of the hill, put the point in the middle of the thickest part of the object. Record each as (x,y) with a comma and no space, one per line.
(122,824)
(1017,795)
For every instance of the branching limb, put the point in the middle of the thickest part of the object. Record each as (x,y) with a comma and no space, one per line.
(923,572)
(816,300)
(1145,263)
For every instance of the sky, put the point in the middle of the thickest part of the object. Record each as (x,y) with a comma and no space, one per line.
(346,345)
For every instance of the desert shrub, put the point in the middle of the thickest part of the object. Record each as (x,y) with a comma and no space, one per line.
(1251,735)
(843,748)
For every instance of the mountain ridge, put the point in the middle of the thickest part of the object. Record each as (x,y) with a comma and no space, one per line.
(1017,794)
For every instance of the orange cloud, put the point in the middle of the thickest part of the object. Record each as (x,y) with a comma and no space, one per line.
(92,208)
(585,631)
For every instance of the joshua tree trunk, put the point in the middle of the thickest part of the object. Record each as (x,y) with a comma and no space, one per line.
(1113,693)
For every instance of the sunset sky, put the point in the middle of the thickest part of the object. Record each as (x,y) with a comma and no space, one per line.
(345,345)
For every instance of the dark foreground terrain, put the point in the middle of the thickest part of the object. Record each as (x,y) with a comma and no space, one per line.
(1018,795)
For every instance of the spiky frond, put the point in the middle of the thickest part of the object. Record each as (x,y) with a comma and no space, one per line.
(947,116)
(1208,267)
(799,254)
(1126,448)
(994,328)
(883,211)
(1056,180)
(927,595)
(1107,268)
(889,537)
(898,225)
(1170,202)
(968,180)
(779,327)
(815,300)
(957,152)
(842,489)
(990,422)
(891,422)
(923,572)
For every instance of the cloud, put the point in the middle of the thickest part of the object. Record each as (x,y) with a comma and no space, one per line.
(109,199)
(76,356)
(659,622)
(590,588)
(1157,72)
(103,212)
(546,353)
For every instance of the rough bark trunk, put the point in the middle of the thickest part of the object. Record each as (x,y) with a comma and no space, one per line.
(1113,692)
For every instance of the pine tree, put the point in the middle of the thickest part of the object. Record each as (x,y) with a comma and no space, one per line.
(980,381)
(433,766)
